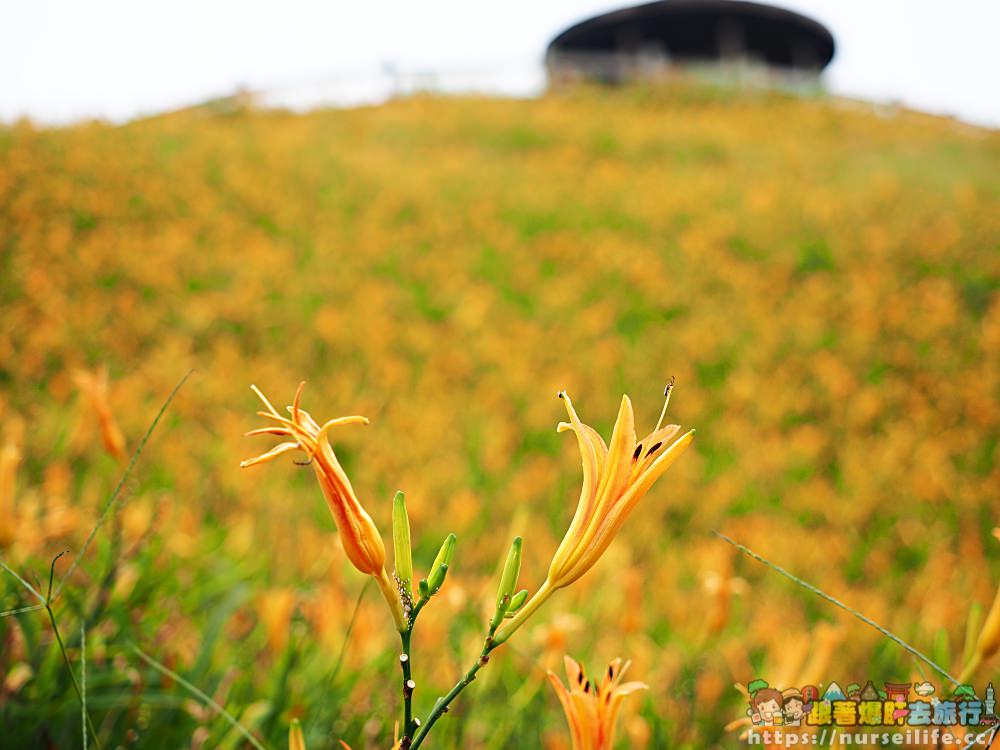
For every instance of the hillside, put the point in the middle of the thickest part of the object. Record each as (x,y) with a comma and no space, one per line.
(821,279)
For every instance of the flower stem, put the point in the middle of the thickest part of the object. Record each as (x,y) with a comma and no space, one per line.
(404,660)
(441,705)
(508,628)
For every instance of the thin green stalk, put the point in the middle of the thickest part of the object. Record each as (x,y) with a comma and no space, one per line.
(83,684)
(23,582)
(20,610)
(350,629)
(837,603)
(204,697)
(441,705)
(118,488)
(72,677)
(408,684)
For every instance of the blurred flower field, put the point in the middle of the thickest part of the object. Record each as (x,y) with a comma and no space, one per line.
(820,277)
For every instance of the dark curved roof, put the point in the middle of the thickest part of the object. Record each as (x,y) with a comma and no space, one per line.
(692,30)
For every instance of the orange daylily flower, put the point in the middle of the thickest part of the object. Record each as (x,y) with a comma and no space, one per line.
(94,385)
(358,533)
(592,707)
(615,479)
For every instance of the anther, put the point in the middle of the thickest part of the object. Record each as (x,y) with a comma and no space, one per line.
(666,395)
(653,449)
(638,450)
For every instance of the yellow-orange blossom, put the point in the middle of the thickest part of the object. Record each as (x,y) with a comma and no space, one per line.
(591,708)
(615,478)
(358,533)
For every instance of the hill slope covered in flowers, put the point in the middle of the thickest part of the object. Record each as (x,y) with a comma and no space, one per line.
(822,280)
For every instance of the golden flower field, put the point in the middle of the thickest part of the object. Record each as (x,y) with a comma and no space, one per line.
(821,277)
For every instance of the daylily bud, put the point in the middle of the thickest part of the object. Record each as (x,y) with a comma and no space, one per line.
(439,568)
(401,540)
(516,602)
(295,739)
(424,588)
(508,580)
(989,637)
(436,579)
(988,642)
(446,553)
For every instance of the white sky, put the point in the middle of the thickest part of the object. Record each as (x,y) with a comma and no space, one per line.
(62,60)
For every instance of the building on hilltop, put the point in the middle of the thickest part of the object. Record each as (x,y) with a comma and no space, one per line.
(719,39)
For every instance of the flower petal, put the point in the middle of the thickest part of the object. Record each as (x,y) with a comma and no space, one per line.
(585,507)
(270,455)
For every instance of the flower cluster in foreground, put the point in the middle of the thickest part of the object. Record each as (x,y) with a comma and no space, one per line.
(616,476)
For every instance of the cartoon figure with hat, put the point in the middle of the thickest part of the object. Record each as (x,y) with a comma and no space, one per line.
(794,707)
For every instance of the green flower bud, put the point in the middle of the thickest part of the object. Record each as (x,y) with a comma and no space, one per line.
(401,539)
(436,579)
(508,580)
(424,588)
(445,554)
(516,602)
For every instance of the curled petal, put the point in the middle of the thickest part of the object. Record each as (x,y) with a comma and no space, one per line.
(270,455)
(268,431)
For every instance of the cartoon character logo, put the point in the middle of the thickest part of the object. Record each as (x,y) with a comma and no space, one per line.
(794,707)
(766,705)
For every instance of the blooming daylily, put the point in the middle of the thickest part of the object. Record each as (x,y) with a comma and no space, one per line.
(358,533)
(592,707)
(615,478)
(94,385)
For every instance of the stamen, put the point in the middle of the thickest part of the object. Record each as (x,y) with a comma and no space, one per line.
(653,449)
(263,398)
(638,450)
(666,396)
(297,400)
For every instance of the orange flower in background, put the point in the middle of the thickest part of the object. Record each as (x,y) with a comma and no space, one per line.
(615,479)
(358,533)
(296,740)
(275,608)
(94,385)
(10,458)
(592,707)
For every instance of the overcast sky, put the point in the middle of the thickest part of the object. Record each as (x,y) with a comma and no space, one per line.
(62,60)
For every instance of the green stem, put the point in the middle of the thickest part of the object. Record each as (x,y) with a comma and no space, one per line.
(441,705)
(404,661)
(72,675)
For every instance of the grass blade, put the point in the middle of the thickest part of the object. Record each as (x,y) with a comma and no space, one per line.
(837,603)
(118,488)
(83,683)
(200,694)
